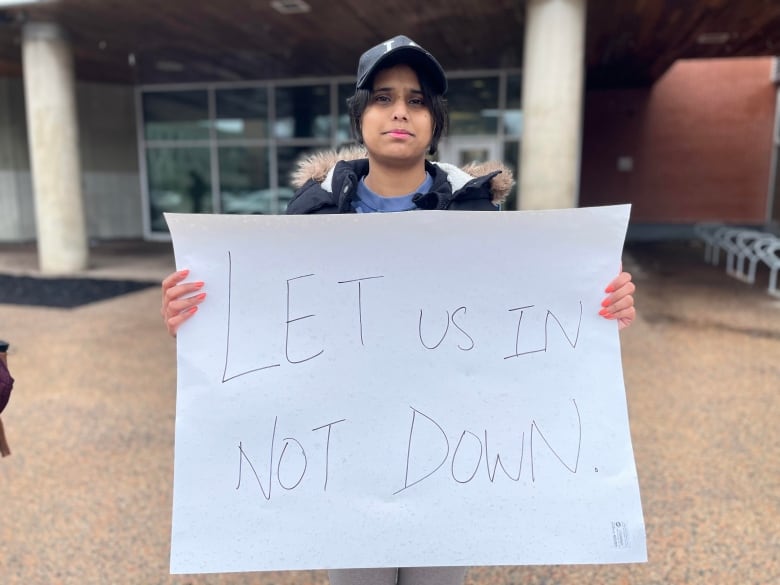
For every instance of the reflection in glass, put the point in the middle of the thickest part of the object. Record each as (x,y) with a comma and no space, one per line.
(467,156)
(244,181)
(343,132)
(513,115)
(512,159)
(176,115)
(287,159)
(473,105)
(179,181)
(242,113)
(303,112)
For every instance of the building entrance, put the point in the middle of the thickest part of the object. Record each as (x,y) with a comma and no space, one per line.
(462,150)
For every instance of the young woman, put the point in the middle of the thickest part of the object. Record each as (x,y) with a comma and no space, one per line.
(398,114)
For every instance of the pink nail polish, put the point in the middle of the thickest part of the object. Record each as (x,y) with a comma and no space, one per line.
(605,303)
(603,312)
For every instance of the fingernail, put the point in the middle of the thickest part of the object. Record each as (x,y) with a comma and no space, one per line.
(184,272)
(603,312)
(201,296)
(605,303)
(199,284)
(192,310)
(609,289)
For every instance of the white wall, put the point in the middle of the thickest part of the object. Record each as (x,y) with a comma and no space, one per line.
(109,157)
(17,216)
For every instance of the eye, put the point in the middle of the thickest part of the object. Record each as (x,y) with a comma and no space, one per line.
(381,98)
(417,102)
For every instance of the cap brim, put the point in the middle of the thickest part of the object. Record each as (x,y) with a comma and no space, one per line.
(415,57)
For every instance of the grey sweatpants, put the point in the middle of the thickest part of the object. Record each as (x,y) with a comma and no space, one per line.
(402,576)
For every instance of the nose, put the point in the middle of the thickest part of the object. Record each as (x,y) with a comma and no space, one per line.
(400,112)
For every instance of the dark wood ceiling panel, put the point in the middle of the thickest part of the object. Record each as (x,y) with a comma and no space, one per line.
(633,42)
(630,43)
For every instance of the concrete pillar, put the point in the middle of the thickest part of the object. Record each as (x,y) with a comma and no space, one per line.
(52,127)
(553,85)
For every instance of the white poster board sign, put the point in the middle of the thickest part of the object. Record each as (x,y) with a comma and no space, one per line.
(410,389)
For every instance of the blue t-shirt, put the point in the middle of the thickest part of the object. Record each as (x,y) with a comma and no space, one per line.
(369,202)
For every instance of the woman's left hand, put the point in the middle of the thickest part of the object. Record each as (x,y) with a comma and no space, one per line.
(619,304)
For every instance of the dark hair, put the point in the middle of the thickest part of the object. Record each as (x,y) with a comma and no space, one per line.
(436,103)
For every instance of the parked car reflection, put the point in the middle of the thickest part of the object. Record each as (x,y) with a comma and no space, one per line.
(162,201)
(265,201)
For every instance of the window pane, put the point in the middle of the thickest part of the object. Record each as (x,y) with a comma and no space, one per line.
(287,159)
(242,113)
(473,105)
(343,132)
(303,112)
(512,159)
(513,116)
(176,115)
(179,181)
(244,180)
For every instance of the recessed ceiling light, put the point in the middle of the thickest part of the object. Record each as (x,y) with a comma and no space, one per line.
(169,66)
(290,6)
(713,38)
(11,3)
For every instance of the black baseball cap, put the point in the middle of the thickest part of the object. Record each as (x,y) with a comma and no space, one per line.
(400,49)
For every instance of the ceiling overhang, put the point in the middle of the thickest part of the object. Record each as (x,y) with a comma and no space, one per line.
(628,44)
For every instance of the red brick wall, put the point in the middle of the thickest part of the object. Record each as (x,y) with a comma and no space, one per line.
(700,140)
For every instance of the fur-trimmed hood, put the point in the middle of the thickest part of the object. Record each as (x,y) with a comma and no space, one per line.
(319,167)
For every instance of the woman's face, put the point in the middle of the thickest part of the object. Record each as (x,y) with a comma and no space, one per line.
(397,125)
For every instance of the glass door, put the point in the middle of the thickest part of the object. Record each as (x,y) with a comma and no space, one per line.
(462,150)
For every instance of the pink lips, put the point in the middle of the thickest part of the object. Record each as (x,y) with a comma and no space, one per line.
(398,133)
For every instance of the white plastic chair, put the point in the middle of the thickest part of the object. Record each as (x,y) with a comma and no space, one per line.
(727,241)
(768,250)
(747,257)
(707,233)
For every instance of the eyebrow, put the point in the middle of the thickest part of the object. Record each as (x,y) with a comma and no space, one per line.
(377,89)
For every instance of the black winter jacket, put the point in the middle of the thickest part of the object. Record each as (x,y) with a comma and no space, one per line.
(327,183)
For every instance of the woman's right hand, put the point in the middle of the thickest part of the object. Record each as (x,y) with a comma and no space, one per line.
(177,306)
